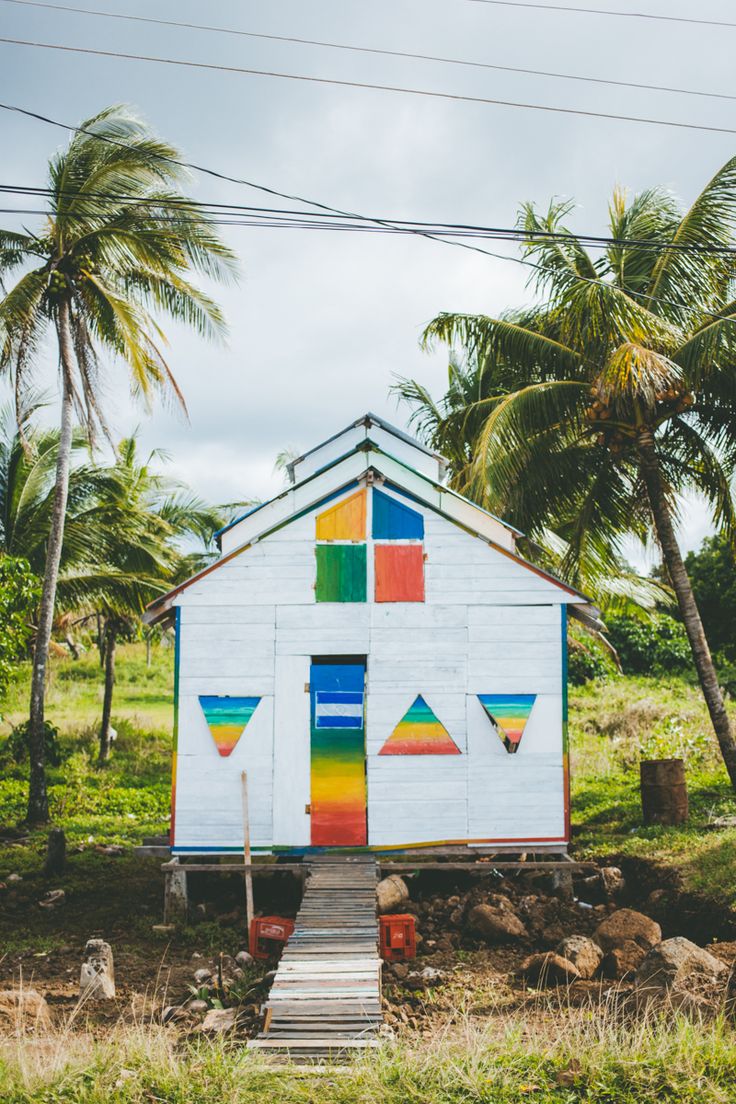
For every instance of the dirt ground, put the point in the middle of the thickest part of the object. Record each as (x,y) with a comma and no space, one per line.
(118,897)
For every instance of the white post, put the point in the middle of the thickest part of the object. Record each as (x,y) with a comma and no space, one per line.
(246,854)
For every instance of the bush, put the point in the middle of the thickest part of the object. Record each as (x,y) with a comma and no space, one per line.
(17,743)
(585,663)
(657,646)
(19,593)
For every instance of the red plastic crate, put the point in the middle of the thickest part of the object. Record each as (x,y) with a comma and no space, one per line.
(268,934)
(397,937)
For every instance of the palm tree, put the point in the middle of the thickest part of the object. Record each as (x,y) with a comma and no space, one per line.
(117,247)
(614,393)
(149,517)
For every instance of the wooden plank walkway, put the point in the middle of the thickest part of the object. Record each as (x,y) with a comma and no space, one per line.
(325,1000)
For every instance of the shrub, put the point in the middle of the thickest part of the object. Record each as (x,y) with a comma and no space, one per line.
(20,589)
(585,663)
(17,743)
(657,646)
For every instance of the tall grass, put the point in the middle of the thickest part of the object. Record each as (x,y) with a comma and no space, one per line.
(552,1055)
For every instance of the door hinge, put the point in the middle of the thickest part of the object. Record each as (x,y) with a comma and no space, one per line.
(308,810)
(307,688)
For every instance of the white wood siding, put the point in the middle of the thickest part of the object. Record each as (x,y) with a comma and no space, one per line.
(488,625)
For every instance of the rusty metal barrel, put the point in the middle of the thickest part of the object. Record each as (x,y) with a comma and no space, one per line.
(663,791)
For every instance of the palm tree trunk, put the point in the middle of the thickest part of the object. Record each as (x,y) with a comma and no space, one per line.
(686,599)
(110,643)
(38,802)
(101,638)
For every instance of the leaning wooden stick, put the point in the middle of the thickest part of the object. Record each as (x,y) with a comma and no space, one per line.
(246,853)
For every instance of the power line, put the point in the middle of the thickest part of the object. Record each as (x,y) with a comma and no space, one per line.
(227,214)
(606,11)
(593,281)
(454,96)
(372,50)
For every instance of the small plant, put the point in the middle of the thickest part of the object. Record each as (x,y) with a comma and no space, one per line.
(672,739)
(17,743)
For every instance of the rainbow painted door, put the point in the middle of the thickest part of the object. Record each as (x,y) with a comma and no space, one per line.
(337,725)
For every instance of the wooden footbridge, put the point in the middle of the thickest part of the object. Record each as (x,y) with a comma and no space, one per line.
(325,1000)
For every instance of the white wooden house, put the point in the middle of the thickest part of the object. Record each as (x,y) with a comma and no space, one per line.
(373,651)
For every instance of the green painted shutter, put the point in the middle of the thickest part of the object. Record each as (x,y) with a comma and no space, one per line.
(341,573)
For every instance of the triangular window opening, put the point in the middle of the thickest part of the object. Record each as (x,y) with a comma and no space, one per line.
(227,718)
(508,713)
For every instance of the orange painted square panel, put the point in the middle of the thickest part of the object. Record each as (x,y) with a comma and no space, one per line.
(399,573)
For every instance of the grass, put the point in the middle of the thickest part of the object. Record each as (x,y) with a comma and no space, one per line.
(613,725)
(143,695)
(129,797)
(556,1059)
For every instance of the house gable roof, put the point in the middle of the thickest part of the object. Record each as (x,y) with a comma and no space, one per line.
(366,463)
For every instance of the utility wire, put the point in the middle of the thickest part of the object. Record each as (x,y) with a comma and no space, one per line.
(225,214)
(454,96)
(606,11)
(595,282)
(371,50)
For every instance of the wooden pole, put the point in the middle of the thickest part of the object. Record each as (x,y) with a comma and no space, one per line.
(246,854)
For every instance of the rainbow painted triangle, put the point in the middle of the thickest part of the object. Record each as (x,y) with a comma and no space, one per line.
(227,719)
(508,714)
(420,733)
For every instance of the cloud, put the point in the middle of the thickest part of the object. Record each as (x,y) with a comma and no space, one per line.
(322,324)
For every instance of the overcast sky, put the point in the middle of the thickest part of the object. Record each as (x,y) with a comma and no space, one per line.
(321,324)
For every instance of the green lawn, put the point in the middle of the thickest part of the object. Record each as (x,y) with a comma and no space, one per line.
(128,798)
(143,695)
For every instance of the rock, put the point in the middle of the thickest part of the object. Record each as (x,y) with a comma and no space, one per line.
(391,893)
(551,936)
(498,901)
(627,925)
(97,977)
(725,951)
(423,979)
(219,1019)
(622,962)
(679,964)
(549,969)
(657,899)
(53,899)
(613,881)
(722,822)
(495,924)
(203,976)
(585,955)
(13,878)
(163,929)
(55,853)
(400,970)
(245,960)
(23,1008)
(173,1013)
(567,1077)
(198,1007)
